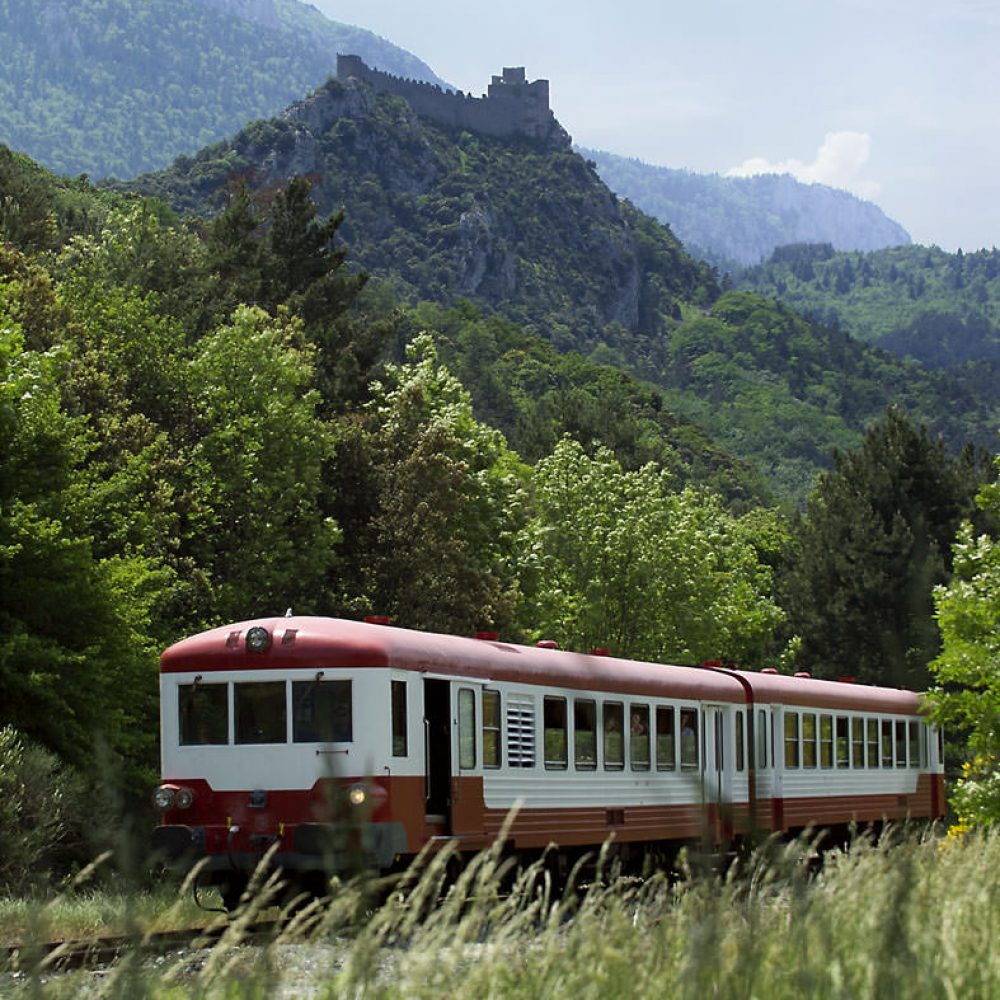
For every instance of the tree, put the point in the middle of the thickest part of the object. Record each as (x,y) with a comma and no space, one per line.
(76,659)
(433,544)
(615,558)
(255,530)
(874,541)
(967,671)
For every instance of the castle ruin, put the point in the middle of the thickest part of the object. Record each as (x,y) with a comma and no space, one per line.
(511,106)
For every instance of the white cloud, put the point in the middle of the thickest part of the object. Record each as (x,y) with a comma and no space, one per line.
(837,163)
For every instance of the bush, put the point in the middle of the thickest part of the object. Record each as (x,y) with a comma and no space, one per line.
(41,812)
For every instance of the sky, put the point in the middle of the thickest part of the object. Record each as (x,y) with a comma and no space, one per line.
(897,101)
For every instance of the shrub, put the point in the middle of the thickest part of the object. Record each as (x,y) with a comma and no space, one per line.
(41,808)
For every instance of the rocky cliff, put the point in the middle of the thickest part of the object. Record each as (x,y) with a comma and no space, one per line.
(445,213)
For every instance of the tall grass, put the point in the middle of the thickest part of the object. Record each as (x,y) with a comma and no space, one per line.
(919,918)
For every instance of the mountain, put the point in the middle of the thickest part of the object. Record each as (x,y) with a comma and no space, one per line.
(939,308)
(740,220)
(516,222)
(116,87)
(523,227)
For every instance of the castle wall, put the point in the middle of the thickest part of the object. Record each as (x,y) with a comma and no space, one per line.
(512,107)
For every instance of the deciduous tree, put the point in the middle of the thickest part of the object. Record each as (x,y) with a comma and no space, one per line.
(967,672)
(615,558)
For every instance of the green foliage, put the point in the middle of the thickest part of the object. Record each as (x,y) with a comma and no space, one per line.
(431,542)
(778,390)
(253,471)
(444,215)
(119,87)
(872,545)
(939,308)
(521,385)
(73,652)
(614,558)
(967,672)
(42,812)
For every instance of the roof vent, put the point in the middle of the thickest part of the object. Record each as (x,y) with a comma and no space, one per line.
(848,680)
(802,673)
(377,619)
(600,651)
(769,670)
(486,636)
(547,644)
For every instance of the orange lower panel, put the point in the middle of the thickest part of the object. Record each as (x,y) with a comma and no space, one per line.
(476,826)
(580,827)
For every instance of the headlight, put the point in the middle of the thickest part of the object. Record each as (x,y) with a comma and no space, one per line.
(164,797)
(357,795)
(258,639)
(184,798)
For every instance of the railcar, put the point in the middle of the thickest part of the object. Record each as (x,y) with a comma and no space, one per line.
(326,741)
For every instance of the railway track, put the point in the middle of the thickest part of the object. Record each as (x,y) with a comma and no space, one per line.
(69,954)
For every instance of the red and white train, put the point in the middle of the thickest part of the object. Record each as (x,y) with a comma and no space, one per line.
(330,737)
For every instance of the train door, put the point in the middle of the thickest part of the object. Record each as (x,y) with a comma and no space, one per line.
(437,755)
(777,749)
(717,775)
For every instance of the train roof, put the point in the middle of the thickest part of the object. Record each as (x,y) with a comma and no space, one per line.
(304,641)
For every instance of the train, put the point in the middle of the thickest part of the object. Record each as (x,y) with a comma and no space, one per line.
(321,741)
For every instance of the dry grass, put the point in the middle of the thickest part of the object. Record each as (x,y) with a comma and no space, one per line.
(918,919)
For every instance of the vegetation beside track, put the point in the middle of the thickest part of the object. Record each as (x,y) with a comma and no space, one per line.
(913,919)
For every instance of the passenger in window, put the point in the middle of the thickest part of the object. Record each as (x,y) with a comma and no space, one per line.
(638,726)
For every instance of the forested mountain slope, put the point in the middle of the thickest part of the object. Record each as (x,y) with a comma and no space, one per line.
(121,86)
(532,233)
(509,223)
(941,308)
(740,220)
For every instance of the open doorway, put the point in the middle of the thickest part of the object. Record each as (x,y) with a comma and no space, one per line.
(437,751)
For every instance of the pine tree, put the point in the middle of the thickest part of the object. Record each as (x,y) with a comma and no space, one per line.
(874,542)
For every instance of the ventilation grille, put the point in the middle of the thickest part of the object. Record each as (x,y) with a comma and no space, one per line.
(520,730)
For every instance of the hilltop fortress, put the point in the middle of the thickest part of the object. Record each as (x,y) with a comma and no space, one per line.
(512,105)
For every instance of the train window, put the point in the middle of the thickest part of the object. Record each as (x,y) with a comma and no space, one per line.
(843,741)
(900,743)
(791,739)
(466,729)
(761,738)
(614,739)
(808,739)
(689,739)
(491,728)
(399,741)
(321,712)
(638,729)
(666,738)
(914,728)
(871,727)
(585,734)
(826,741)
(260,712)
(740,751)
(204,714)
(520,730)
(858,742)
(554,726)
(886,743)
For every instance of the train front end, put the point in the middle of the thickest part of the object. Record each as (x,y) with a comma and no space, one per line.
(276,743)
